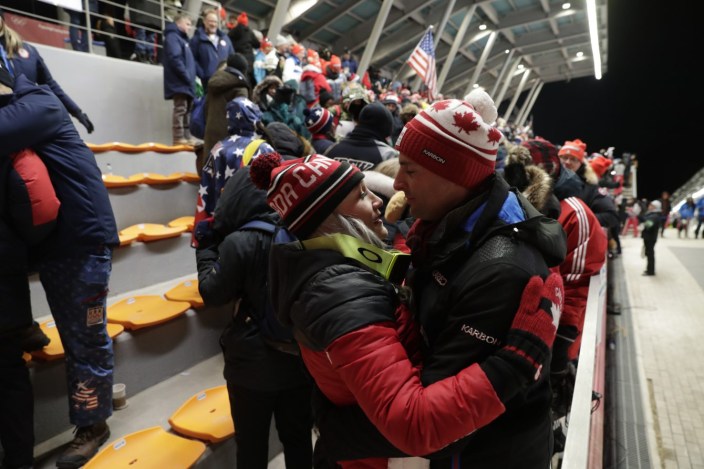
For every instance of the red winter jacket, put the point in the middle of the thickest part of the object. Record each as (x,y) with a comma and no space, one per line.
(363,349)
(319,82)
(586,251)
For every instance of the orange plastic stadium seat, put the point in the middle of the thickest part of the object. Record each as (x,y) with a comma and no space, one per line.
(186,291)
(112,180)
(128,238)
(153,231)
(190,177)
(137,312)
(147,449)
(155,179)
(186,221)
(55,349)
(205,416)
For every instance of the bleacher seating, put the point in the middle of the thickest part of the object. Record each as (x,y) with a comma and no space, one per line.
(205,416)
(141,311)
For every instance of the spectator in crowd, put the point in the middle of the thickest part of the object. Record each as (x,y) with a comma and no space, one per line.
(74,262)
(293,67)
(245,42)
(354,98)
(179,76)
(286,141)
(651,226)
(241,145)
(264,377)
(700,217)
(225,85)
(321,127)
(360,348)
(666,205)
(349,64)
(392,103)
(313,81)
(633,210)
(686,213)
(408,112)
(145,16)
(366,145)
(77,33)
(21,58)
(210,46)
(264,60)
(335,77)
(475,244)
(282,46)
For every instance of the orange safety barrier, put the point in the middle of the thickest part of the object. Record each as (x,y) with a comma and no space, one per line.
(141,148)
(55,349)
(149,448)
(143,311)
(205,416)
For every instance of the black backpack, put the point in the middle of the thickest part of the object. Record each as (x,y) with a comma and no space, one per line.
(275,334)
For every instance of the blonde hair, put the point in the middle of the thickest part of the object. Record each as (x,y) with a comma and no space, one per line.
(336,223)
(13,41)
(389,167)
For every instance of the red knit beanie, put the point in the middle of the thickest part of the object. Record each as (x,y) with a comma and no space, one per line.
(600,164)
(454,139)
(304,191)
(576,148)
(242,19)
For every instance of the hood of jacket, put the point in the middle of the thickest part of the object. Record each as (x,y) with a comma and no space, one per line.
(260,89)
(567,184)
(284,140)
(241,202)
(171,28)
(223,80)
(242,116)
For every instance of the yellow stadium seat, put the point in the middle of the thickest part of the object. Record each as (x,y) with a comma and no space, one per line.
(55,349)
(150,448)
(205,416)
(155,179)
(137,312)
(113,180)
(153,231)
(186,291)
(190,177)
(128,238)
(186,221)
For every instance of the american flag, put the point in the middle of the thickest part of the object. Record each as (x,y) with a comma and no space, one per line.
(422,60)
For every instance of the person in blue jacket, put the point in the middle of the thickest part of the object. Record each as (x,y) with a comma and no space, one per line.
(75,261)
(21,58)
(210,46)
(179,76)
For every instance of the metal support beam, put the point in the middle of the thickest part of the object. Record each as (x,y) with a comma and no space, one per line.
(532,102)
(193,7)
(330,17)
(507,81)
(482,61)
(502,73)
(522,83)
(522,111)
(374,37)
(455,46)
(278,19)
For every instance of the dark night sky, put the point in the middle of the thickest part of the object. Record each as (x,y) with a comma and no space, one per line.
(649,100)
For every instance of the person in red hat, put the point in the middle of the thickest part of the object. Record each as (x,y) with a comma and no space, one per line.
(335,287)
(245,42)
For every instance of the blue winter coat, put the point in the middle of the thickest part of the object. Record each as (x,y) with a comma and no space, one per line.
(33,117)
(29,63)
(208,56)
(179,64)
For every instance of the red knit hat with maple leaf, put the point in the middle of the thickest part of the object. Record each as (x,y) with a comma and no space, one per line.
(454,139)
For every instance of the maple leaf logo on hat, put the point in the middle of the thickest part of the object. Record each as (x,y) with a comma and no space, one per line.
(465,121)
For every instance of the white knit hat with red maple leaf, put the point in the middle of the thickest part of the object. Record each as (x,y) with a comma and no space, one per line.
(454,138)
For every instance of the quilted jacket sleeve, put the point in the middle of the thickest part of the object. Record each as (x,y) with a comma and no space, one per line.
(374,365)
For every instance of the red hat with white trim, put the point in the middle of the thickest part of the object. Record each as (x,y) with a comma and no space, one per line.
(576,148)
(455,139)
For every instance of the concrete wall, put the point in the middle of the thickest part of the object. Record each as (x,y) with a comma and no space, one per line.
(124,100)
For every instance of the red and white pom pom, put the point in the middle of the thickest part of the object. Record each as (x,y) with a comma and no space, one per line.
(483,104)
(261,169)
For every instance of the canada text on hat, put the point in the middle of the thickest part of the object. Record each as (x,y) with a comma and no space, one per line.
(454,139)
(576,148)
(304,191)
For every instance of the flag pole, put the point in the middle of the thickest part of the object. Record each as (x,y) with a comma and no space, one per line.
(430,28)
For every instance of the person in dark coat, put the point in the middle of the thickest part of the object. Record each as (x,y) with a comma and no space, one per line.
(74,262)
(263,380)
(210,46)
(225,85)
(179,76)
(366,145)
(245,42)
(21,58)
(651,227)
(145,16)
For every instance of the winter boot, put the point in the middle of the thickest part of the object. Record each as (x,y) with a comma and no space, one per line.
(84,445)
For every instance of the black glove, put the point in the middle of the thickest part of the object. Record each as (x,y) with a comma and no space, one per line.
(83,119)
(566,335)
